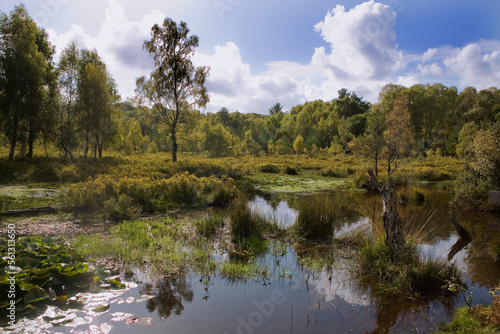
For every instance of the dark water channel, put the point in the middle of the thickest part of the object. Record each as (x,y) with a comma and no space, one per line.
(294,298)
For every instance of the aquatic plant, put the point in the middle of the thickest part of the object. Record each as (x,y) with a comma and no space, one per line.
(238,270)
(245,224)
(43,270)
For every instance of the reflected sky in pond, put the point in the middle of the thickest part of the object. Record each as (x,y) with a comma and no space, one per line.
(280,213)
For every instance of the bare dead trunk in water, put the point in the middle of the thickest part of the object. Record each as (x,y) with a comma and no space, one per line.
(465,237)
(393,224)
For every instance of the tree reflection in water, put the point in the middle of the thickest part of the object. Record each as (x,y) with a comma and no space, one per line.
(171,293)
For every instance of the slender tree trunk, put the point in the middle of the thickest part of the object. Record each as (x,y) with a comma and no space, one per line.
(31,139)
(94,149)
(12,149)
(101,144)
(86,150)
(174,148)
(376,164)
(13,139)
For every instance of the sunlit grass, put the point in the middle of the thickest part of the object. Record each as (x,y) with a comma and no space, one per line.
(149,242)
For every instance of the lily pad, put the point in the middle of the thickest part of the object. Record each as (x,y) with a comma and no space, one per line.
(101,309)
(35,294)
(116,283)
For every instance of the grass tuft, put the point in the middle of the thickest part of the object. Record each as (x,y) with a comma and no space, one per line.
(410,275)
(208,225)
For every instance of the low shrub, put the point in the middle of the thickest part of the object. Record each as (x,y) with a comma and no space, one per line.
(291,171)
(432,174)
(361,180)
(150,195)
(182,189)
(269,168)
(121,208)
(334,172)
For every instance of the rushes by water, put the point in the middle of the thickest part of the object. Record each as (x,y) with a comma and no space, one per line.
(208,225)
(317,219)
(412,275)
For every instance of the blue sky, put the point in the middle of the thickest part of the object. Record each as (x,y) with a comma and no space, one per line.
(267,51)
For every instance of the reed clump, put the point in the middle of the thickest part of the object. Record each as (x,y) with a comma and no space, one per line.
(409,274)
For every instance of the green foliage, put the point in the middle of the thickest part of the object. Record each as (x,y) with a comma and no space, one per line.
(218,141)
(27,81)
(45,271)
(298,144)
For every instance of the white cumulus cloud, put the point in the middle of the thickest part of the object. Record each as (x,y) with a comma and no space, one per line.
(475,67)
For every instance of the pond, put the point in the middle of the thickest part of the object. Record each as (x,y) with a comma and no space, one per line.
(292,293)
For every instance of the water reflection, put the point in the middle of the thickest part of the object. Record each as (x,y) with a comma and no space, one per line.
(170,295)
(274,209)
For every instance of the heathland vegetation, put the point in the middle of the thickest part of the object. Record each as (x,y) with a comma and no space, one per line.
(63,125)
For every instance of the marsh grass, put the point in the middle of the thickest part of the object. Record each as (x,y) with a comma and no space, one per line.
(317,219)
(464,322)
(245,224)
(411,274)
(356,238)
(150,242)
(208,225)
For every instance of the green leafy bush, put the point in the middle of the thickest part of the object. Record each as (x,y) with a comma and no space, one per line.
(291,171)
(269,168)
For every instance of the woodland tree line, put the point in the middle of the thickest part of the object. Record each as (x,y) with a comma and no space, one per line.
(74,106)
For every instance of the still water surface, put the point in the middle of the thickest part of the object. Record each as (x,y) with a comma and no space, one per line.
(293,298)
